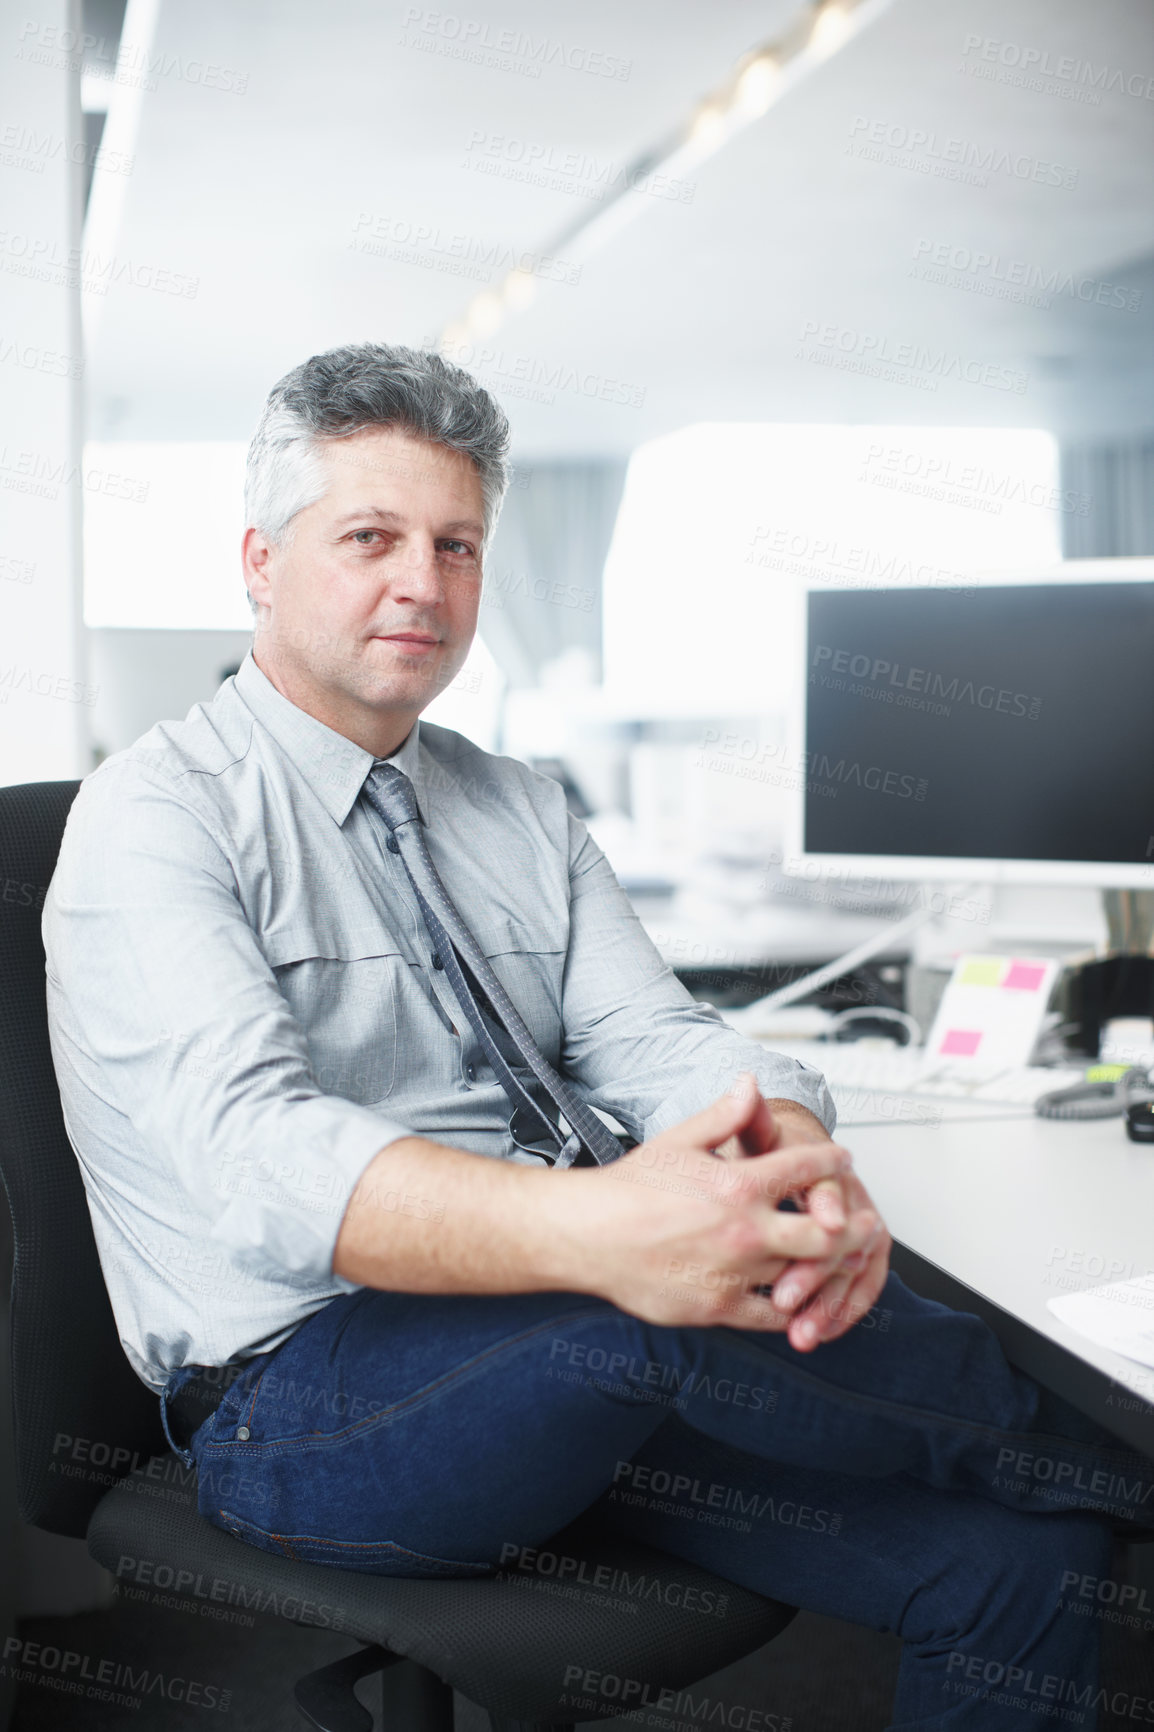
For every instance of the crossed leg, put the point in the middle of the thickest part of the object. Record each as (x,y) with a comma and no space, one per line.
(947,1498)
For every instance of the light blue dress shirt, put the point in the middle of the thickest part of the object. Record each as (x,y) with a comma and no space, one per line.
(243,1010)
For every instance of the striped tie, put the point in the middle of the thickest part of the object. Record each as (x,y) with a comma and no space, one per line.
(389,792)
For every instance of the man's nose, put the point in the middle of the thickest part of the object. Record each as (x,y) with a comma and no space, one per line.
(417,575)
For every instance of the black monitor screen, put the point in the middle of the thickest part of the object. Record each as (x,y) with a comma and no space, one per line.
(1010,722)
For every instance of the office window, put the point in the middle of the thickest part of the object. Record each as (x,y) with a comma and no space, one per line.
(721,525)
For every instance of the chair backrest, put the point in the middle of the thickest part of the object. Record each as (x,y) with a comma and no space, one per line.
(81,1416)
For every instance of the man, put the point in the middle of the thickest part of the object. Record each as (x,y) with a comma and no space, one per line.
(290,943)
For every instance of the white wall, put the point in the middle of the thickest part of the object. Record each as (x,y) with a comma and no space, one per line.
(43,713)
(146,676)
(44,694)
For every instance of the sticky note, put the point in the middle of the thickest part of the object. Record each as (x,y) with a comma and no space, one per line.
(981,973)
(992,1010)
(1025,976)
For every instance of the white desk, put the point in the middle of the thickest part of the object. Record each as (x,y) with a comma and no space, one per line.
(1001,1215)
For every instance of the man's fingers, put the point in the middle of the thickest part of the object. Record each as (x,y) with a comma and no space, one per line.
(837,1310)
(796,1169)
(743,1142)
(798,1285)
(857,1260)
(847,1296)
(827,1203)
(794,1237)
(759,1135)
(856,1193)
(779,1202)
(765,1277)
(724,1117)
(829,1315)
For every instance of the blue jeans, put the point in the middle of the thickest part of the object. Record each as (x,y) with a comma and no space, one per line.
(903,1477)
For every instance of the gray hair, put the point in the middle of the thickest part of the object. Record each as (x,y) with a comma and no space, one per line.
(344,391)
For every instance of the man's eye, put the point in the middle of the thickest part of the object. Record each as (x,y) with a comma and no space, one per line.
(457,546)
(364,536)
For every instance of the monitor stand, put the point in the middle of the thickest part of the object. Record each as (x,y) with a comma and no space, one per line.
(1129,921)
(1122,982)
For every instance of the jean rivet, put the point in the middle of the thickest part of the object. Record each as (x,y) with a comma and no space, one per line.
(243,1433)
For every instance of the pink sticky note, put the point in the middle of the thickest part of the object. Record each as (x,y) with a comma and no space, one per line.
(1026,976)
(961,1042)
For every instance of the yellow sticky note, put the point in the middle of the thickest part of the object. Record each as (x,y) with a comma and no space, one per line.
(982,971)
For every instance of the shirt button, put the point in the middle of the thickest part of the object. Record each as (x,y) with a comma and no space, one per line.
(243,1433)
(437,963)
(393,845)
(471,1072)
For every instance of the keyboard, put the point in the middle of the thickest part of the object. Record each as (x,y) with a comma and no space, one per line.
(856,1068)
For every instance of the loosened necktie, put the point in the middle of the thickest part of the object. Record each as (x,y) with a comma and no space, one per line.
(391,795)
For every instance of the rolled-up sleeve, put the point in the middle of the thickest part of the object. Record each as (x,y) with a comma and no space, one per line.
(637,1043)
(163,1005)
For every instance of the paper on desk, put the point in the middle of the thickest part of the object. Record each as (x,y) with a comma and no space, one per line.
(1119,1316)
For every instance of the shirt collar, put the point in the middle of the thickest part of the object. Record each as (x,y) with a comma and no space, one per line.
(333,766)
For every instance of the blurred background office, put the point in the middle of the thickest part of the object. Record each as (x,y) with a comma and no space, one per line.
(776,294)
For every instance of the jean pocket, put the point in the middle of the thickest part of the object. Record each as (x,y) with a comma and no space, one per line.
(240,1383)
(371,1557)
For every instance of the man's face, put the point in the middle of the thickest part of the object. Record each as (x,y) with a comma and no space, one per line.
(368,609)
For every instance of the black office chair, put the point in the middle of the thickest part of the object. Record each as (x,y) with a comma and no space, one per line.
(508,1650)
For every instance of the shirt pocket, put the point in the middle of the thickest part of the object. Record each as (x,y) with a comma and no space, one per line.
(342,989)
(529,961)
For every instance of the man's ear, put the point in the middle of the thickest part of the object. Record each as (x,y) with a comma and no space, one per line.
(256,552)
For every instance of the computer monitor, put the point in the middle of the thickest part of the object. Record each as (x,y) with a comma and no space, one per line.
(996,731)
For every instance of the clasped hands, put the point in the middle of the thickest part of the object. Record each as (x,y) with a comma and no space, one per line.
(703,1238)
(823,1296)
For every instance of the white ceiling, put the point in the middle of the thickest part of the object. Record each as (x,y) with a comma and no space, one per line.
(699,306)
